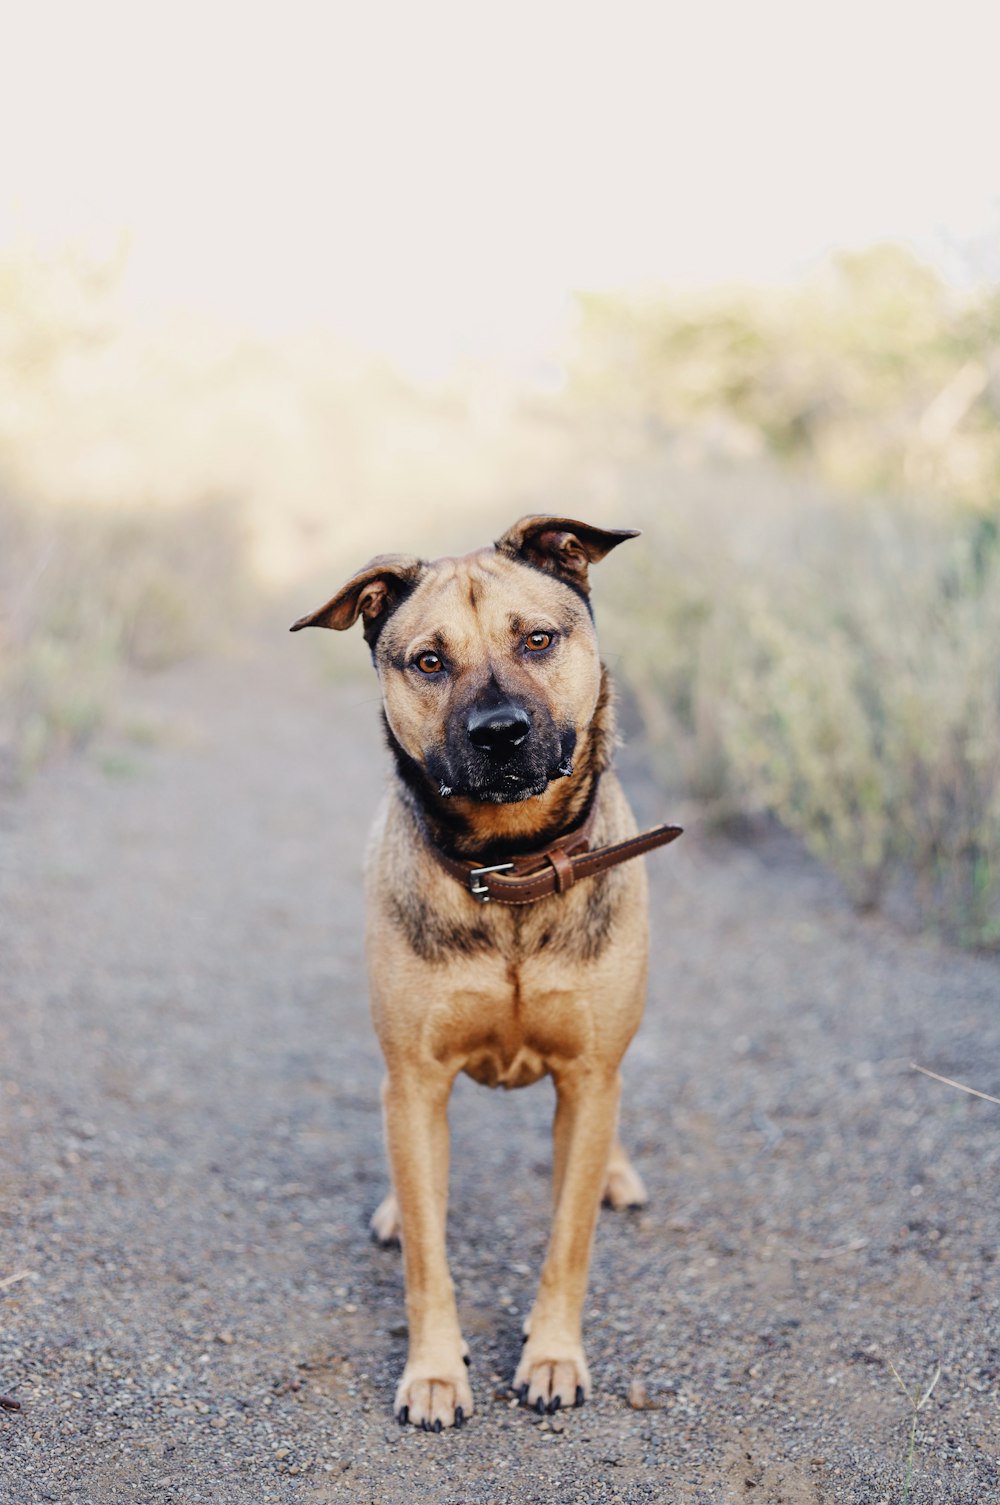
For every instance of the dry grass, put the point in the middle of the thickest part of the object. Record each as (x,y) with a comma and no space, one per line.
(824,647)
(835,666)
(84,596)
(917,1400)
(961,1087)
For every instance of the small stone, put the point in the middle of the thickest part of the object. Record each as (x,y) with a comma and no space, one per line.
(280,1454)
(225,1338)
(638,1396)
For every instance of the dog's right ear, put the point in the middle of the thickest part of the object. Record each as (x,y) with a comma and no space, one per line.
(372,593)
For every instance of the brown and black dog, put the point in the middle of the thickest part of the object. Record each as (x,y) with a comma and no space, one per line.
(499,718)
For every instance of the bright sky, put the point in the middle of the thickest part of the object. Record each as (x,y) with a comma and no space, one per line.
(434,177)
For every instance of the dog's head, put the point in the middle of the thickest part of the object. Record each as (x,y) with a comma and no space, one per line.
(488,663)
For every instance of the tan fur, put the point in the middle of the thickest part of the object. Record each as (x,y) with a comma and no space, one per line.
(506,995)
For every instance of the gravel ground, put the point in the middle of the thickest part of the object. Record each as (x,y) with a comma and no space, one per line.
(191,1309)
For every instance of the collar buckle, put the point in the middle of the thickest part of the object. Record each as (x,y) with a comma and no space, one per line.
(481,890)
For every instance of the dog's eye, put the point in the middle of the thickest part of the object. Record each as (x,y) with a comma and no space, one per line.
(537,642)
(430,663)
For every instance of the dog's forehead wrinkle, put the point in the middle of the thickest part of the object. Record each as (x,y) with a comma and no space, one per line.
(467,626)
(414,624)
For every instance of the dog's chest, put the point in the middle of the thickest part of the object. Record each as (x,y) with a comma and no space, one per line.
(520,1027)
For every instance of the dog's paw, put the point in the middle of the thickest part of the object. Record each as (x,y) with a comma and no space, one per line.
(433,1398)
(385,1223)
(624,1188)
(548,1383)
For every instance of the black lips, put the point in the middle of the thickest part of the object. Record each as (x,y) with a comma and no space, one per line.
(500,751)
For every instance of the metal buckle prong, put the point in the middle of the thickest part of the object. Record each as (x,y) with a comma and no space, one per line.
(481,890)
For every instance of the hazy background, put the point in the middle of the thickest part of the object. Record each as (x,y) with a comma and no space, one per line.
(283,287)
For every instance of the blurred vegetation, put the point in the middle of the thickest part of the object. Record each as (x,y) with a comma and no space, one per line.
(86,591)
(874,375)
(810,628)
(85,596)
(840,670)
(827,648)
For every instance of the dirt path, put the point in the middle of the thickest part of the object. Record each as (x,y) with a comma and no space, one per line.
(191,1147)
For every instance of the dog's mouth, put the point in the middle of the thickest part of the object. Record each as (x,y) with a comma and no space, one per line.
(509,792)
(493,781)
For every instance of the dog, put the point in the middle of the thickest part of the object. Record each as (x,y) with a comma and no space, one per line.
(507,929)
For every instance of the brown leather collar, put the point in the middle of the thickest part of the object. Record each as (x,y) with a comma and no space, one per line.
(553,869)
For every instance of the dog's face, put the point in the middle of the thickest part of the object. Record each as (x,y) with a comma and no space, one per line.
(488,670)
(488,663)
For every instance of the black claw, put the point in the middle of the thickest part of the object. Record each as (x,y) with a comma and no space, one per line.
(635,1207)
(459,1416)
(466,1360)
(579,1396)
(524,1338)
(425,1425)
(437,1425)
(522,1394)
(554,1404)
(540,1406)
(403,1415)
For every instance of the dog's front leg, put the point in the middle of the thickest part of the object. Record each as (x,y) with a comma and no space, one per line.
(553,1370)
(434,1391)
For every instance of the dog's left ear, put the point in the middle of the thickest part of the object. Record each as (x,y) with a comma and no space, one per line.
(562,546)
(372,594)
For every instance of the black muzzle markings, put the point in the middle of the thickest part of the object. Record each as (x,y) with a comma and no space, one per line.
(501,751)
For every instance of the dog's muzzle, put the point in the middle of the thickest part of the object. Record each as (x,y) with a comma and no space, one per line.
(500,751)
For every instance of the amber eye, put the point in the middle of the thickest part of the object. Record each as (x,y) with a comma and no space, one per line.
(537,642)
(429,663)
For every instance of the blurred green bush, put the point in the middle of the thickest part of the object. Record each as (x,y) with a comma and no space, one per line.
(825,648)
(856,697)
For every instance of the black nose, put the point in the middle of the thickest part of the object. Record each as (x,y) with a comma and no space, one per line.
(499,728)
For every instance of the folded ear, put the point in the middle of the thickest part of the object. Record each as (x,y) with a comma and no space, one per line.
(372,593)
(562,546)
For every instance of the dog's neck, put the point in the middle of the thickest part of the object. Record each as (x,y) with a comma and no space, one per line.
(466,828)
